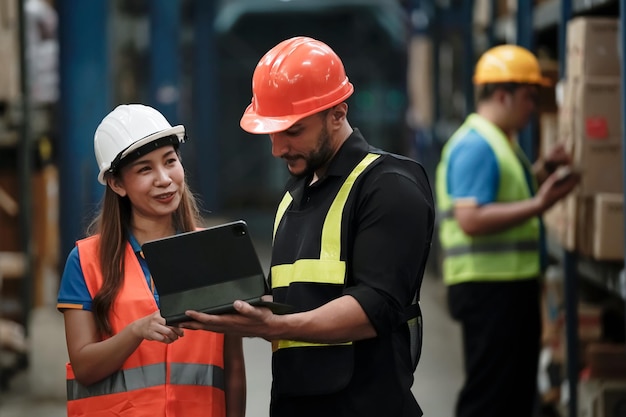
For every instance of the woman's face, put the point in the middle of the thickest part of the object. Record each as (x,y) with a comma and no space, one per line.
(154,184)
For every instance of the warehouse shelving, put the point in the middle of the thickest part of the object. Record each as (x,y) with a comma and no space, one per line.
(545,23)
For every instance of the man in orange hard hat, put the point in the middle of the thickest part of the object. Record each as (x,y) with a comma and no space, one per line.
(351,239)
(490,199)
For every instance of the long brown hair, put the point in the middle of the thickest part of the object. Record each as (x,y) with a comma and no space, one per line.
(112,223)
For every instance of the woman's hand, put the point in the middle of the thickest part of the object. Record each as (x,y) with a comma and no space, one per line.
(153,327)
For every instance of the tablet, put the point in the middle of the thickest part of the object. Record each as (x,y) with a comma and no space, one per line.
(207,270)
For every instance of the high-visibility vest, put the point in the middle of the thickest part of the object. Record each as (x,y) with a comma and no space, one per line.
(303,368)
(184,378)
(508,255)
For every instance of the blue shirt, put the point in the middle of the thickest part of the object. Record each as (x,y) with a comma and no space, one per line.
(473,170)
(473,173)
(73,292)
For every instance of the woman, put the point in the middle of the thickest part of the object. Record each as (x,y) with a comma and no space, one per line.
(124,359)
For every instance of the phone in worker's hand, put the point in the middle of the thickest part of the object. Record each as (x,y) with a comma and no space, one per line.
(564,173)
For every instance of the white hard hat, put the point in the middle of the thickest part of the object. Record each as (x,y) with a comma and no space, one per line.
(128,128)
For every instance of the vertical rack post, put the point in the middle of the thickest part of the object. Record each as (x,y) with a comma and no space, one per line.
(491,31)
(524,37)
(468,54)
(622,40)
(83,61)
(165,58)
(25,155)
(570,284)
(205,141)
(571,329)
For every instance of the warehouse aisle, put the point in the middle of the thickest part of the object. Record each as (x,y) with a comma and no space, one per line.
(439,374)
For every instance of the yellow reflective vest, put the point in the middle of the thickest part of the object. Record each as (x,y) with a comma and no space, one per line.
(303,368)
(509,255)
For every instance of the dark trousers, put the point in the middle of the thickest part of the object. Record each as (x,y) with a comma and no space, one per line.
(501,329)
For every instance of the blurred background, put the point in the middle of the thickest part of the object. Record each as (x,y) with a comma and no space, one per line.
(67,63)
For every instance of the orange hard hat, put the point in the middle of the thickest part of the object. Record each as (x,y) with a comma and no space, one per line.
(509,64)
(298,77)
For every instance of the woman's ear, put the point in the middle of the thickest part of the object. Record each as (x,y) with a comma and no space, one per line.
(116,185)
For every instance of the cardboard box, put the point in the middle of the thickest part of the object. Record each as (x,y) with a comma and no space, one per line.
(611,400)
(548,132)
(608,225)
(482,14)
(420,80)
(597,108)
(45,227)
(590,124)
(547,94)
(600,163)
(506,7)
(606,360)
(595,226)
(591,48)
(556,222)
(9,51)
(587,397)
(589,331)
(589,322)
(566,113)
(571,209)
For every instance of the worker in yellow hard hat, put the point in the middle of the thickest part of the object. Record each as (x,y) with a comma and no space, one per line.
(490,199)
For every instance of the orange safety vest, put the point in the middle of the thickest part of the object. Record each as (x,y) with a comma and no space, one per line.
(184,378)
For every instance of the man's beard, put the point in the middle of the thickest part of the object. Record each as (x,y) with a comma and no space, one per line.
(318,158)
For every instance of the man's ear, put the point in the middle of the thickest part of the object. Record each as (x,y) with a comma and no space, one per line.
(116,185)
(503,97)
(339,112)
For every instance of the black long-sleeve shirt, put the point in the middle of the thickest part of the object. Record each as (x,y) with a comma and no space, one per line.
(385,242)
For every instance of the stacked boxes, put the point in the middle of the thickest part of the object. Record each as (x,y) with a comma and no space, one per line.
(45,233)
(9,51)
(592,49)
(590,220)
(602,398)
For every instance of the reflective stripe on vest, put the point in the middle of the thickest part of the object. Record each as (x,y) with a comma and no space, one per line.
(492,247)
(485,247)
(146,377)
(510,254)
(329,268)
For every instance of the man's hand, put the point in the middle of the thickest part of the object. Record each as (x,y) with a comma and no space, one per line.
(248,322)
(557,156)
(555,187)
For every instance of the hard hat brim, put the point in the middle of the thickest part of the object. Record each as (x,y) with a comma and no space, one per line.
(178,130)
(546,82)
(543,81)
(251,122)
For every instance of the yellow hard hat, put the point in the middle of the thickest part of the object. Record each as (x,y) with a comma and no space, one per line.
(509,64)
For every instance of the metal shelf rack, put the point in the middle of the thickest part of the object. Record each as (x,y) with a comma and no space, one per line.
(523,27)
